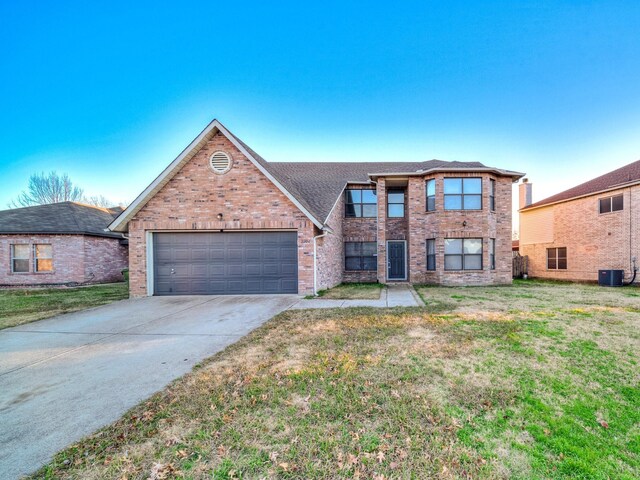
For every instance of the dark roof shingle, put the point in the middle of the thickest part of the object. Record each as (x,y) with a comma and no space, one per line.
(628,174)
(59,218)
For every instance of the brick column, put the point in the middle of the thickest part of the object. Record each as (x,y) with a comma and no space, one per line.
(382,219)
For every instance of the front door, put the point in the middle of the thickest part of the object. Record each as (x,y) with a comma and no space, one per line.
(396,259)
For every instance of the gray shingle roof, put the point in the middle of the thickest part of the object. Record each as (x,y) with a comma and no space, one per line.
(59,218)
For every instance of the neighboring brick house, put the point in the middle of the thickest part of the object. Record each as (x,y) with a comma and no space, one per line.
(222,220)
(60,243)
(593,226)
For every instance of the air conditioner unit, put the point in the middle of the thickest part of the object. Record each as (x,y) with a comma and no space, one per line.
(610,278)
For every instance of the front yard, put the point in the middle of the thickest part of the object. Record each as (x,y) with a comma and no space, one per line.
(19,306)
(536,380)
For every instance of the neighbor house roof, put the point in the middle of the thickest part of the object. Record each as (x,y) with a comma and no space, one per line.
(59,218)
(622,177)
(313,187)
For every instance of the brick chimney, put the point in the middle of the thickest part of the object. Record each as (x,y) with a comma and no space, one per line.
(525,193)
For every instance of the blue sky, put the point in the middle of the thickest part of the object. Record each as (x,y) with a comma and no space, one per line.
(111,92)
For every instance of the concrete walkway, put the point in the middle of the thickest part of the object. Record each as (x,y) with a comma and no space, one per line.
(400,295)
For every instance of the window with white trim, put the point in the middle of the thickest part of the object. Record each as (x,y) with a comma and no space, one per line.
(463,254)
(43,257)
(20,258)
(611,204)
(557,258)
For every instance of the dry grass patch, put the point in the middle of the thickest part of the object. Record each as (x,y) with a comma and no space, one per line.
(529,392)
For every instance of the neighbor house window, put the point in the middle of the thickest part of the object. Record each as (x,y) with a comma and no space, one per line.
(360,256)
(43,258)
(492,253)
(395,203)
(463,194)
(611,204)
(492,195)
(463,254)
(431,195)
(360,203)
(431,254)
(557,258)
(20,258)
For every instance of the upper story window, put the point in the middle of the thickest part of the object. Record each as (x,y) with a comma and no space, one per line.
(557,258)
(463,194)
(360,203)
(431,195)
(611,204)
(20,258)
(395,203)
(492,195)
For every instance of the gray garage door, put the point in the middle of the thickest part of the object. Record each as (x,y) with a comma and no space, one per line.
(225,263)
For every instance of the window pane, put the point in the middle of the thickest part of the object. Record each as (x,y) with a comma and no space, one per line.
(605,205)
(617,203)
(369,249)
(431,262)
(431,247)
(493,187)
(473,185)
(350,210)
(492,203)
(369,196)
(431,187)
(43,251)
(472,202)
(369,210)
(453,262)
(562,252)
(21,266)
(472,245)
(395,197)
(562,263)
(473,262)
(396,210)
(452,246)
(352,249)
(44,265)
(370,263)
(453,202)
(431,204)
(452,185)
(352,263)
(354,196)
(21,251)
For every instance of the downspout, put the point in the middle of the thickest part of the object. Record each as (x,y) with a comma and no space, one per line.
(315,263)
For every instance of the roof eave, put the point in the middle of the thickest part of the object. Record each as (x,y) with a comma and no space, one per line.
(578,197)
(503,173)
(120,224)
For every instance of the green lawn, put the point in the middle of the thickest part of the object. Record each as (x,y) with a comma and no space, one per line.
(18,306)
(530,381)
(353,291)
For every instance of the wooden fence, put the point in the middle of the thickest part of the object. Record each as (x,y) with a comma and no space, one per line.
(520,265)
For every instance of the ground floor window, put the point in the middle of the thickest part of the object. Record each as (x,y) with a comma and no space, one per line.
(43,257)
(360,256)
(463,254)
(492,253)
(20,258)
(557,258)
(431,254)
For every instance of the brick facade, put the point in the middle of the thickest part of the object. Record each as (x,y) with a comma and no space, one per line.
(594,241)
(195,195)
(77,259)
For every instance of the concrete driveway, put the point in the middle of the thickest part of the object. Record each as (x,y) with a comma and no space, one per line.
(64,377)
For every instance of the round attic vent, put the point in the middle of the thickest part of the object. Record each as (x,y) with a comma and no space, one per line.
(220,162)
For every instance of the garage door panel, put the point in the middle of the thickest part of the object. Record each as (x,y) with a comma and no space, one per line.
(225,263)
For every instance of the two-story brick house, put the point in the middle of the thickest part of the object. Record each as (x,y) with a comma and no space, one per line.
(590,227)
(222,220)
